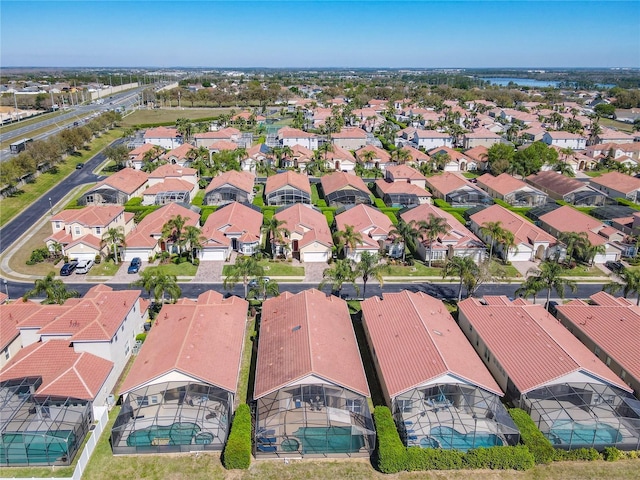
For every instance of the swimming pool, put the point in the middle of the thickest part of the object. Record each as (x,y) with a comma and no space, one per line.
(328,440)
(449,438)
(567,432)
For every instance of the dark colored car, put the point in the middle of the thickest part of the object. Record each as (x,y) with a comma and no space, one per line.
(79,166)
(134,266)
(615,267)
(68,268)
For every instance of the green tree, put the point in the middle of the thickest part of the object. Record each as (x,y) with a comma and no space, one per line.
(115,238)
(264,287)
(368,267)
(499,156)
(338,274)
(242,271)
(432,228)
(54,290)
(576,244)
(440,159)
(193,237)
(507,240)
(462,267)
(118,154)
(630,279)
(407,234)
(160,284)
(605,110)
(531,286)
(549,276)
(494,231)
(349,239)
(172,231)
(276,233)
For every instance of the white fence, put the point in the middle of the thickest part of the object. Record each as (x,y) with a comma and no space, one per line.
(107,91)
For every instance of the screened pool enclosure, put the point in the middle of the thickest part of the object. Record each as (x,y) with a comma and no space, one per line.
(172,417)
(320,420)
(287,196)
(347,196)
(40,430)
(453,416)
(225,194)
(584,415)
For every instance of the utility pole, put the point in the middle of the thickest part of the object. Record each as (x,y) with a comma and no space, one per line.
(15,102)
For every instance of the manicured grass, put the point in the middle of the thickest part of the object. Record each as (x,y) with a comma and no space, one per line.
(509,270)
(197,200)
(281,269)
(162,115)
(583,271)
(470,175)
(29,193)
(245,365)
(417,270)
(17,262)
(623,127)
(184,269)
(105,268)
(595,173)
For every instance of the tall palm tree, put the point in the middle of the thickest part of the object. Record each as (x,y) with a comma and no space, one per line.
(369,266)
(432,228)
(368,156)
(407,233)
(55,290)
(575,244)
(193,237)
(276,233)
(630,284)
(349,238)
(114,237)
(549,276)
(160,284)
(508,241)
(172,230)
(462,267)
(530,286)
(339,273)
(494,231)
(264,287)
(241,271)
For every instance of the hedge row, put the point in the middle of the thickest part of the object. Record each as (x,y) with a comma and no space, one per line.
(533,438)
(379,203)
(394,457)
(237,451)
(628,203)
(440,203)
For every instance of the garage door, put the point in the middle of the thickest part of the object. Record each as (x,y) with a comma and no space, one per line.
(213,255)
(82,256)
(607,257)
(315,257)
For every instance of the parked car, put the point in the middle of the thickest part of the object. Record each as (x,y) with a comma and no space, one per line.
(68,268)
(134,266)
(254,283)
(84,266)
(615,267)
(79,166)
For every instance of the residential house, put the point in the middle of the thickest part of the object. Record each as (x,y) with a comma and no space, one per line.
(457,241)
(298,158)
(480,156)
(570,190)
(608,135)
(406,174)
(341,189)
(453,161)
(565,140)
(288,137)
(401,194)
(457,190)
(145,240)
(78,232)
(171,183)
(608,327)
(317,405)
(232,227)
(418,157)
(10,316)
(222,146)
(258,155)
(430,139)
(378,158)
(572,397)
(231,186)
(349,138)
(179,395)
(374,227)
(533,134)
(511,190)
(165,137)
(309,238)
(287,188)
(444,397)
(340,160)
(618,185)
(480,138)
(206,139)
(138,155)
(182,155)
(530,241)
(116,189)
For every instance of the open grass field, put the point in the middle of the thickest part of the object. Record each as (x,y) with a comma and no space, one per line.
(17,261)
(170,115)
(623,127)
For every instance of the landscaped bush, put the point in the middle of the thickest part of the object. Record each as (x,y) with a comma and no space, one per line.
(438,202)
(611,454)
(38,255)
(500,458)
(321,203)
(533,438)
(268,212)
(584,454)
(237,451)
(392,454)
(379,203)
(258,200)
(205,212)
(419,459)
(134,202)
(141,337)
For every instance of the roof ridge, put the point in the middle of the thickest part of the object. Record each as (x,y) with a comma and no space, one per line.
(77,373)
(524,307)
(422,319)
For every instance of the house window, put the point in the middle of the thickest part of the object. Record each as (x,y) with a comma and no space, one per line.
(77,230)
(98,231)
(597,351)
(623,375)
(404,405)
(89,198)
(116,339)
(58,225)
(143,401)
(608,362)
(354,405)
(126,348)
(6,354)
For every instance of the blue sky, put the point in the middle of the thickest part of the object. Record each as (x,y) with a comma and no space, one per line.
(422,34)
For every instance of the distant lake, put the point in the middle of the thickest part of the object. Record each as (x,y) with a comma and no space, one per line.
(530,82)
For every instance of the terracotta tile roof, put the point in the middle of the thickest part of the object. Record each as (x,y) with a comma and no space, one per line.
(180,152)
(416,155)
(554,182)
(10,316)
(401,187)
(363,217)
(307,222)
(478,153)
(609,134)
(64,372)
(481,133)
(232,218)
(301,153)
(293,179)
(618,181)
(339,153)
(503,183)
(380,155)
(567,219)
(162,132)
(524,232)
(613,324)
(431,134)
(448,182)
(242,180)
(90,216)
(457,233)
(453,154)
(222,145)
(127,180)
(147,232)
(202,339)
(169,185)
(339,180)
(222,134)
(139,152)
(288,132)
(172,170)
(350,132)
(308,333)
(563,135)
(404,172)
(521,335)
(405,322)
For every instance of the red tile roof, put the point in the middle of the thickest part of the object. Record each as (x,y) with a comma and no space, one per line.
(169,185)
(521,335)
(232,218)
(524,232)
(339,180)
(293,179)
(202,339)
(181,152)
(503,183)
(401,187)
(307,222)
(64,372)
(350,132)
(380,155)
(127,180)
(568,219)
(139,152)
(448,182)
(404,172)
(478,154)
(288,132)
(405,322)
(223,134)
(617,181)
(162,132)
(308,333)
(416,155)
(172,170)
(457,233)
(363,217)
(242,180)
(481,133)
(554,182)
(147,232)
(90,216)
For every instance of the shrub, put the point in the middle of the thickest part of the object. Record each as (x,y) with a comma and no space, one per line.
(205,212)
(321,204)
(433,459)
(533,438)
(134,202)
(98,259)
(38,255)
(141,337)
(237,452)
(379,203)
(438,202)
(258,200)
(584,454)
(392,454)
(611,454)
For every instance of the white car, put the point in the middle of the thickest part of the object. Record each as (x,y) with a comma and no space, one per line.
(84,266)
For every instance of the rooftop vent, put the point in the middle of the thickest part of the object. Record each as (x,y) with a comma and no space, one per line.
(296,328)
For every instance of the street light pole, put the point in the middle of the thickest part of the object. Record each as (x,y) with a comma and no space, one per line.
(50,206)
(6,288)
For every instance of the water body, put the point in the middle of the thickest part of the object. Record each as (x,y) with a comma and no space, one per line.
(530,82)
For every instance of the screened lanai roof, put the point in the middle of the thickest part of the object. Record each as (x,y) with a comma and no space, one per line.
(347,196)
(609,212)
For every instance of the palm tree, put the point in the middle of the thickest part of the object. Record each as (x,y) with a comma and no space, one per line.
(462,267)
(172,230)
(507,240)
(264,287)
(440,159)
(193,237)
(576,242)
(494,231)
(549,276)
(160,284)
(276,233)
(55,290)
(241,271)
(339,273)
(368,156)
(349,238)
(530,286)
(115,238)
(407,233)
(630,284)
(369,266)
(432,228)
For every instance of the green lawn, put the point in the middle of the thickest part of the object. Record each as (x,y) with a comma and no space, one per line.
(245,365)
(583,271)
(622,126)
(595,173)
(160,115)
(417,270)
(184,269)
(29,193)
(106,269)
(274,269)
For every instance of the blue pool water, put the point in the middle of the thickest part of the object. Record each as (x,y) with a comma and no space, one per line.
(449,438)
(566,432)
